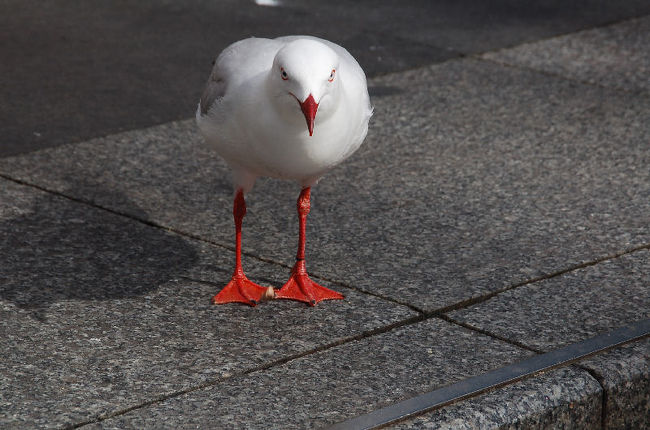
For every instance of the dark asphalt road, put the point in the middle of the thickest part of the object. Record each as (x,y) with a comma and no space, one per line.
(75,70)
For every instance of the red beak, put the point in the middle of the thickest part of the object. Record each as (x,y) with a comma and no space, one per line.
(309,108)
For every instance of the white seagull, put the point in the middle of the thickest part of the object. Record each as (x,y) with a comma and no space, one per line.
(291,108)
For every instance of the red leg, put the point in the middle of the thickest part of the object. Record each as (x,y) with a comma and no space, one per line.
(239,289)
(299,286)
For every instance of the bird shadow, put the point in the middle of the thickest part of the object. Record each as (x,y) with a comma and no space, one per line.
(61,250)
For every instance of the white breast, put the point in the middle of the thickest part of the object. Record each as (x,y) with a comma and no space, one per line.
(244,125)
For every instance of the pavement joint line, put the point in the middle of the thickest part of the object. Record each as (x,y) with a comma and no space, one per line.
(338,283)
(90,203)
(372,293)
(476,385)
(603,401)
(366,334)
(137,219)
(453,307)
(424,315)
(213,382)
(518,344)
(480,299)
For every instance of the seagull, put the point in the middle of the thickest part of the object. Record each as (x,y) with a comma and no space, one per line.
(289,108)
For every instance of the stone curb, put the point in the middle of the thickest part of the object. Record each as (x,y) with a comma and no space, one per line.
(623,398)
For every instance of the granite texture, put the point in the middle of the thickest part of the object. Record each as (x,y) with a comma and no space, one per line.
(566,398)
(474,177)
(549,314)
(330,386)
(99,312)
(624,374)
(614,56)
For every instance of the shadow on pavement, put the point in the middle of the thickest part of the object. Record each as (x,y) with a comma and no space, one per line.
(60,251)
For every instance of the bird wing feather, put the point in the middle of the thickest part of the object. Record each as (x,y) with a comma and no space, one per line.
(235,65)
(214,90)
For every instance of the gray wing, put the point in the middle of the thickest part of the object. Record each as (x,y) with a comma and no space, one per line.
(214,90)
(237,63)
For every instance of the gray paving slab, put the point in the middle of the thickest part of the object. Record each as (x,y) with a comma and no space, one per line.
(569,308)
(327,387)
(615,56)
(475,177)
(563,398)
(99,312)
(624,374)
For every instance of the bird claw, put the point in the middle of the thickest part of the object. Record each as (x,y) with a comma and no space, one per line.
(301,288)
(241,290)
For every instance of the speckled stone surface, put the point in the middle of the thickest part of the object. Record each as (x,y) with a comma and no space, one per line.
(569,308)
(566,398)
(474,177)
(99,312)
(615,56)
(333,385)
(624,373)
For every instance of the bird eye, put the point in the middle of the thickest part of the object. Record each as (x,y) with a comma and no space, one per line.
(332,75)
(283,74)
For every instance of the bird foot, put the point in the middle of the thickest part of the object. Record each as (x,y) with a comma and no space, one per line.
(241,290)
(300,287)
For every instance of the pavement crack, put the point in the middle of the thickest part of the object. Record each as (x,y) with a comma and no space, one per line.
(599,378)
(185,234)
(488,333)
(455,306)
(371,293)
(485,297)
(279,362)
(421,315)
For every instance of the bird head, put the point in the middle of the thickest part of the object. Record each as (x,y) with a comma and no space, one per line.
(304,80)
